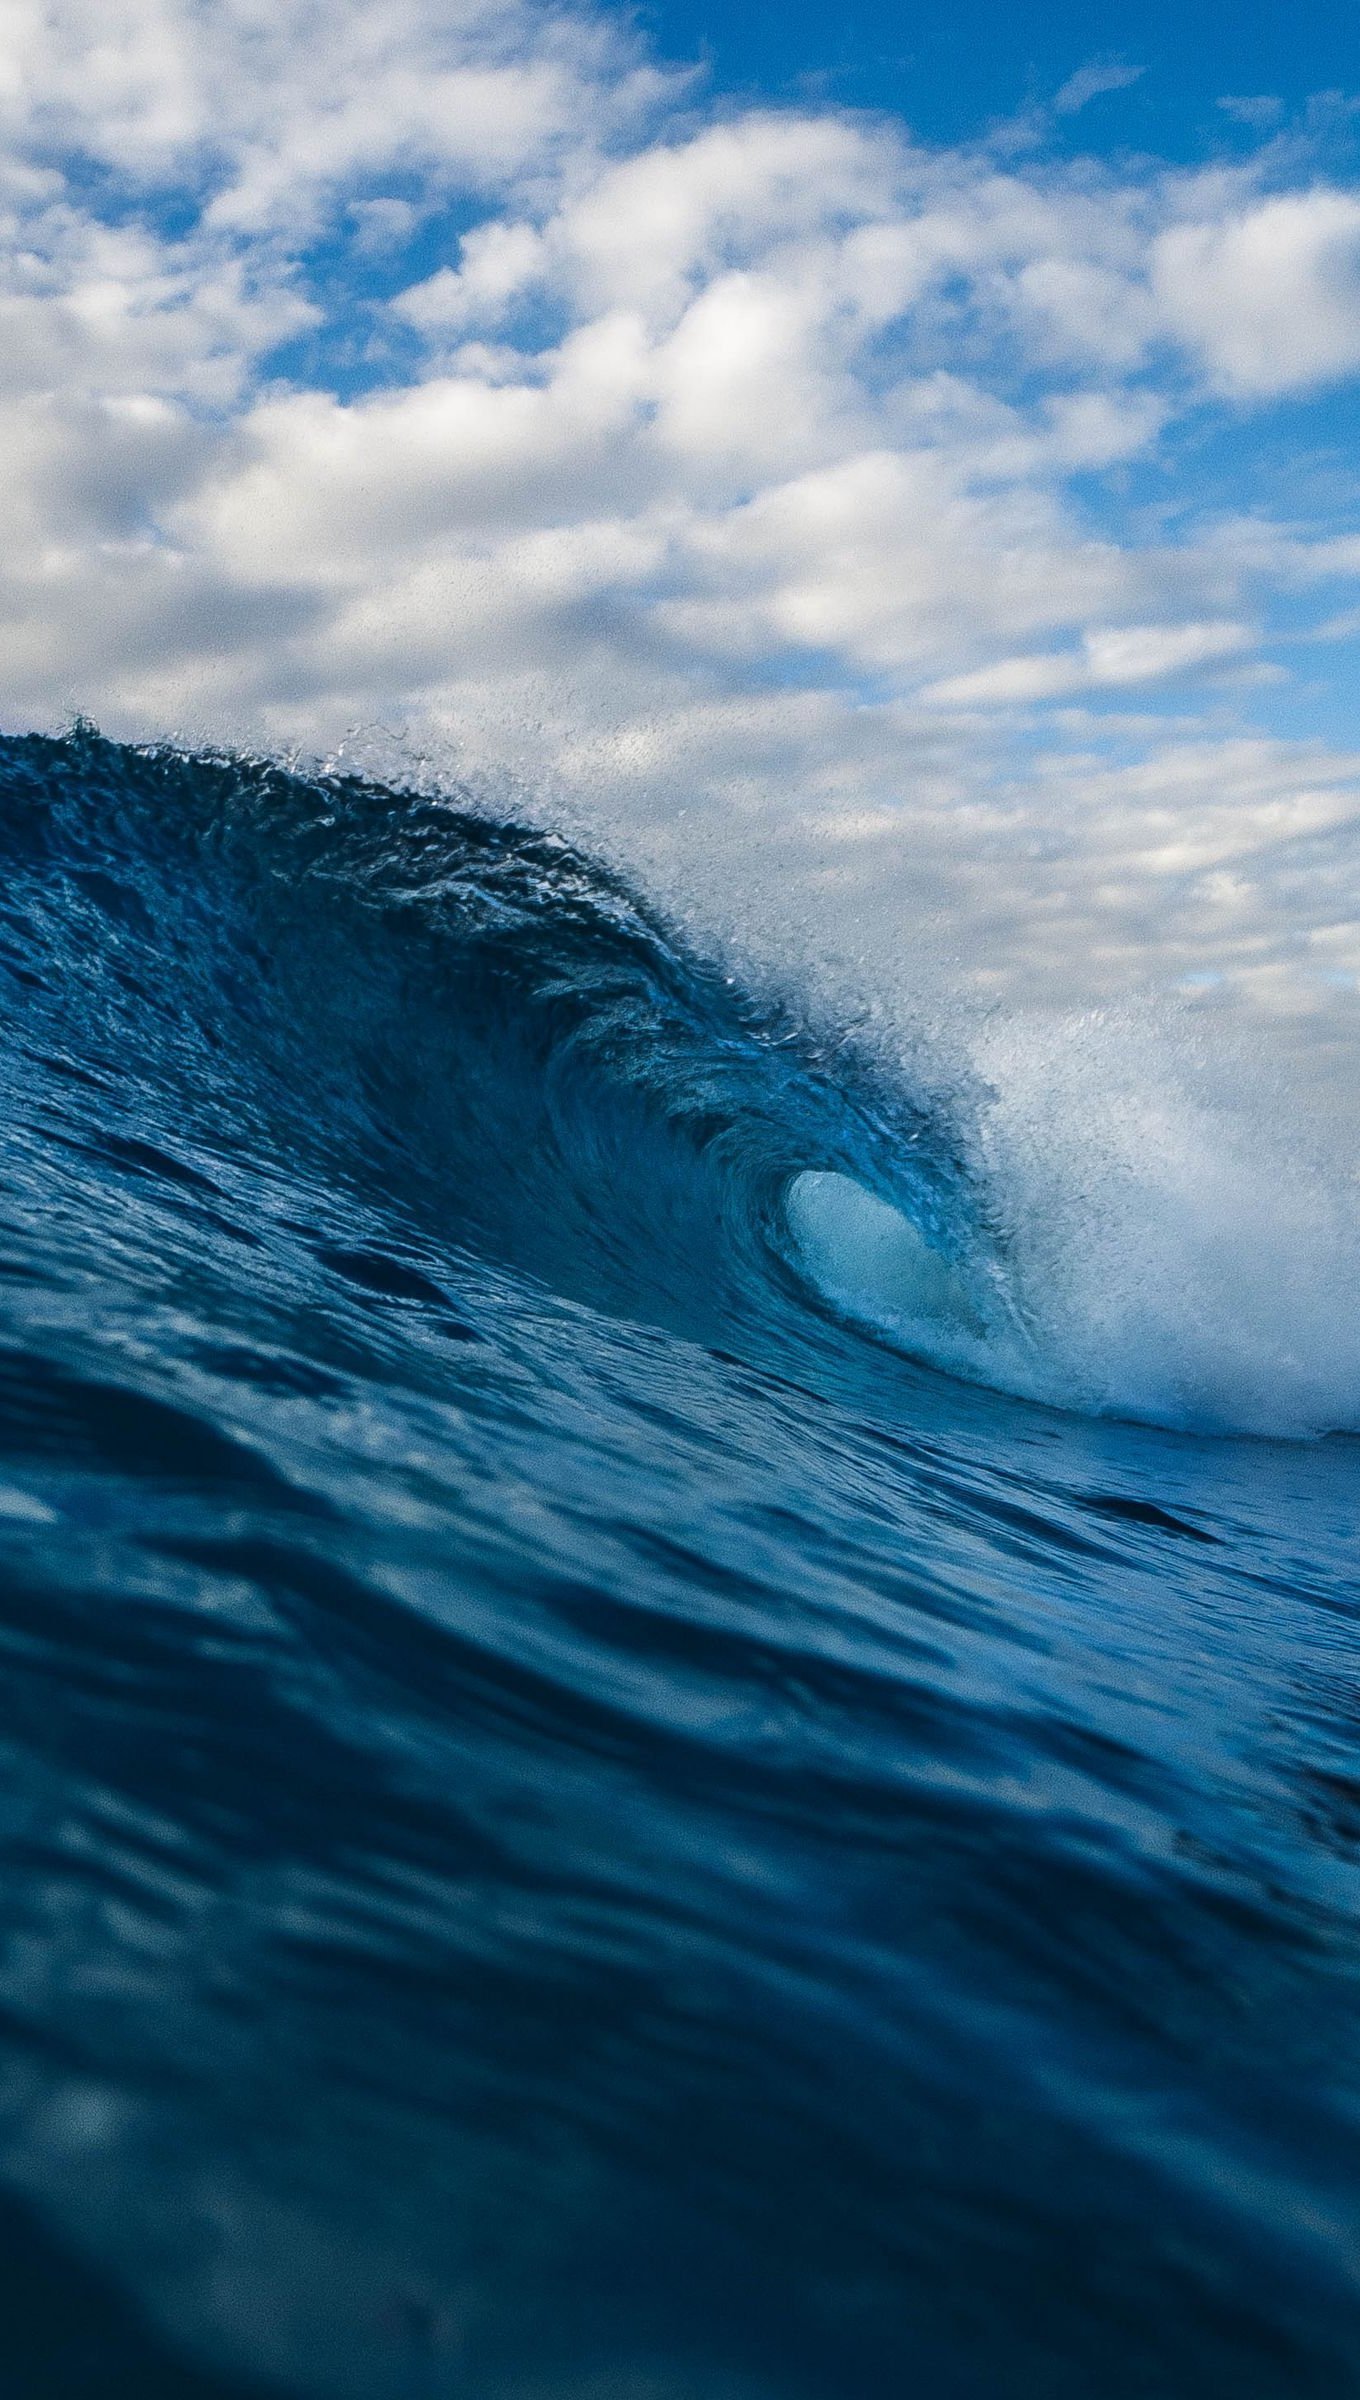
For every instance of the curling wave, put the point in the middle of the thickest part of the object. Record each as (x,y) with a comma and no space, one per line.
(489,1023)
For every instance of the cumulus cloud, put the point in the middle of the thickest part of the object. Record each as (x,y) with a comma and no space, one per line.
(1267,296)
(264,114)
(449,365)
(1110,658)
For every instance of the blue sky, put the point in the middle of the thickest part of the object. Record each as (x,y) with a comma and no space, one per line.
(902,471)
(952,72)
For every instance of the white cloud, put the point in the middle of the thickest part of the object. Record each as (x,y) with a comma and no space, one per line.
(1110,658)
(1090,82)
(1257,109)
(498,263)
(381,225)
(265,112)
(1267,296)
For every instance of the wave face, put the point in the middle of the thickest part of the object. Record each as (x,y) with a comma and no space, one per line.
(588,1809)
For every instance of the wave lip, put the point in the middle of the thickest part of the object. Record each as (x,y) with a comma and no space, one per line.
(1190,1286)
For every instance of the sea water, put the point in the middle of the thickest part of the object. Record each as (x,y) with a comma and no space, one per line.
(680,1713)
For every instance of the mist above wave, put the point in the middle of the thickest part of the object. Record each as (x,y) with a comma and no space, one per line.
(1146,1237)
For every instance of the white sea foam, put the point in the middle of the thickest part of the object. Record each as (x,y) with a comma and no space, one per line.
(1149,1241)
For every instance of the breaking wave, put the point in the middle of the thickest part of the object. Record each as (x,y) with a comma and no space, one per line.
(639,1636)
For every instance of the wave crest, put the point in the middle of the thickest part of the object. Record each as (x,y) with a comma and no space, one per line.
(498,1031)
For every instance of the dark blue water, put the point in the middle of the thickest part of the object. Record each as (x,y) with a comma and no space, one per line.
(578,1824)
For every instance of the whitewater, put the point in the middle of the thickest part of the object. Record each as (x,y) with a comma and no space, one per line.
(679,1709)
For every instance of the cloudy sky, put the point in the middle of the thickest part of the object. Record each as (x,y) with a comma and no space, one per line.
(926,472)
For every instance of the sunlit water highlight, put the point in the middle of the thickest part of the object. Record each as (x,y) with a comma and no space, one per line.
(623,1777)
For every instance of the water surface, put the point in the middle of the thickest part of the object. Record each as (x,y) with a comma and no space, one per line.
(590,1812)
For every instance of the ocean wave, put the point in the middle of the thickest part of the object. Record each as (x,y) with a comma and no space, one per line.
(478,1011)
(618,1772)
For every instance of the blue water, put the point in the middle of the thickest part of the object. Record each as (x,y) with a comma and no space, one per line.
(589,1812)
